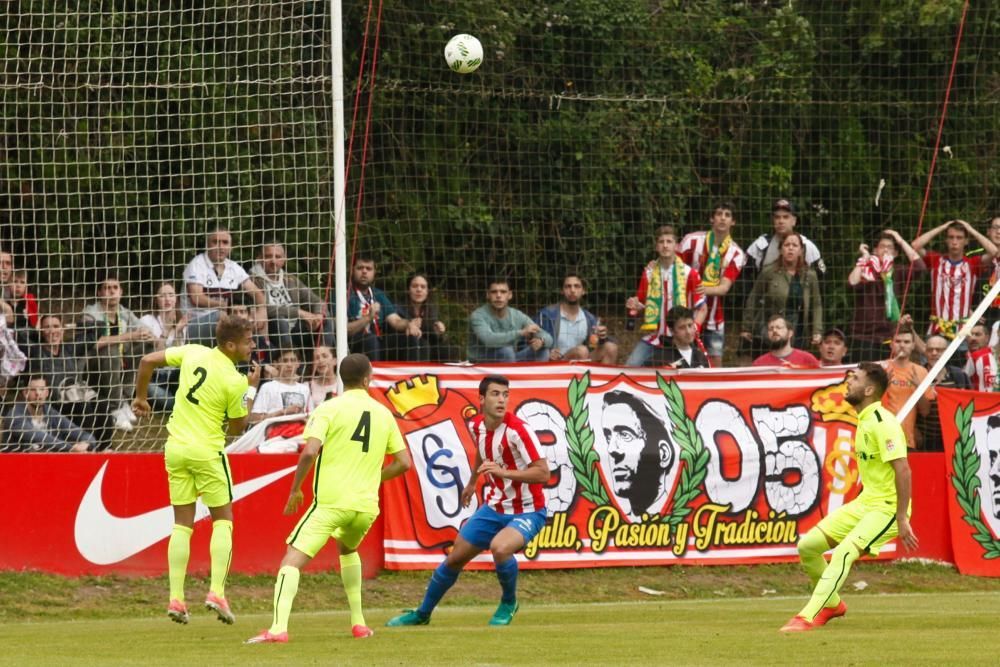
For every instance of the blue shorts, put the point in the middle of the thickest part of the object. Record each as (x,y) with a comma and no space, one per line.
(484,525)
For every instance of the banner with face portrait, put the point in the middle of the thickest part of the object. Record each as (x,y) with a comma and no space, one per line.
(970,427)
(718,466)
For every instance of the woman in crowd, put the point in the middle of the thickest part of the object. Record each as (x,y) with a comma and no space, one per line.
(65,371)
(431,344)
(169,327)
(323,384)
(790,288)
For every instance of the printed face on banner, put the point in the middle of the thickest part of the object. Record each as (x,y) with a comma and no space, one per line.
(989,469)
(637,454)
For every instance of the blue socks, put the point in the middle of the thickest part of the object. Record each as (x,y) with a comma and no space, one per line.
(442,579)
(507,574)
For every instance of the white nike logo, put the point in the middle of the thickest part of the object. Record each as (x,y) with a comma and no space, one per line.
(103,538)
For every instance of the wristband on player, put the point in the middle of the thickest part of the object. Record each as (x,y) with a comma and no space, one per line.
(251,393)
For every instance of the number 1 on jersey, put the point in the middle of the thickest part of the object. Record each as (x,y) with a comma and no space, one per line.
(363,431)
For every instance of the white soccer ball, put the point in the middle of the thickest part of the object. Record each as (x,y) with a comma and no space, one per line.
(463,53)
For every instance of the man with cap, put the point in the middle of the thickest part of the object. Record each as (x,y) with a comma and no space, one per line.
(833,348)
(766,249)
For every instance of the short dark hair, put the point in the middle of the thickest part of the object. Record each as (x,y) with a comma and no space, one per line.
(485,383)
(876,376)
(664,230)
(777,316)
(353,369)
(906,329)
(958,226)
(724,205)
(678,313)
(241,298)
(231,329)
(573,274)
(499,281)
(363,257)
(289,350)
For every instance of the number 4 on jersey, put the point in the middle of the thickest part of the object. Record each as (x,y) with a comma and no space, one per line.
(363,431)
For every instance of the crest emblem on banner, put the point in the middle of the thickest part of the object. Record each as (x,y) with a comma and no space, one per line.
(976,476)
(636,449)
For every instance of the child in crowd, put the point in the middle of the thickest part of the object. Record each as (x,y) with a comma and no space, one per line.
(323,384)
(24,303)
(286,394)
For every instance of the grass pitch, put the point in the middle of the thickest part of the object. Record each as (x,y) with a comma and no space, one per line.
(908,628)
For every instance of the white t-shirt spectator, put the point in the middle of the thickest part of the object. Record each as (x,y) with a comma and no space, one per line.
(276,395)
(201,272)
(322,392)
(155,326)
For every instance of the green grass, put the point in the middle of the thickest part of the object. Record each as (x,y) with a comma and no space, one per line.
(910,628)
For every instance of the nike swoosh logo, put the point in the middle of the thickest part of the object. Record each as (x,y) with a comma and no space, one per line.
(103,538)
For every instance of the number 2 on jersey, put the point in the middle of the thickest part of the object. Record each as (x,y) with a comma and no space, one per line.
(363,431)
(202,374)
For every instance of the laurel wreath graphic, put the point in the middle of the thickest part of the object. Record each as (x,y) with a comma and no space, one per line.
(581,443)
(965,463)
(694,456)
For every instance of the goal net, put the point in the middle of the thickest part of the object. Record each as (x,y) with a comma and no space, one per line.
(133,130)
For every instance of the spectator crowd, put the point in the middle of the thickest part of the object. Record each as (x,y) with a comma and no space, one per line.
(71,392)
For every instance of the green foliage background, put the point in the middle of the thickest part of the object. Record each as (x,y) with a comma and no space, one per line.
(128,127)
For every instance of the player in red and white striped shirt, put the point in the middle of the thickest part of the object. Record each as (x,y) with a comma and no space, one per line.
(719,260)
(953,275)
(509,459)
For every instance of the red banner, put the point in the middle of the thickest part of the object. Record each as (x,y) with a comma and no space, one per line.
(698,467)
(970,426)
(80,514)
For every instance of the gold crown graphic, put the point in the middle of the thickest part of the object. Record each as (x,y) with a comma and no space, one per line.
(830,403)
(413,393)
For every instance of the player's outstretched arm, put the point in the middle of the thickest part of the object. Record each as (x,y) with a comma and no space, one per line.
(148,364)
(401,462)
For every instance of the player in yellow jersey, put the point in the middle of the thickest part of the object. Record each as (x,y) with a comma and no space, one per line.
(348,438)
(867,523)
(210,391)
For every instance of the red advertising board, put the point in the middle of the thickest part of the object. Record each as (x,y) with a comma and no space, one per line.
(741,464)
(99,514)
(700,467)
(970,426)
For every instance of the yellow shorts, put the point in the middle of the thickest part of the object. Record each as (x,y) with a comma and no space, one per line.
(868,526)
(190,478)
(319,524)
